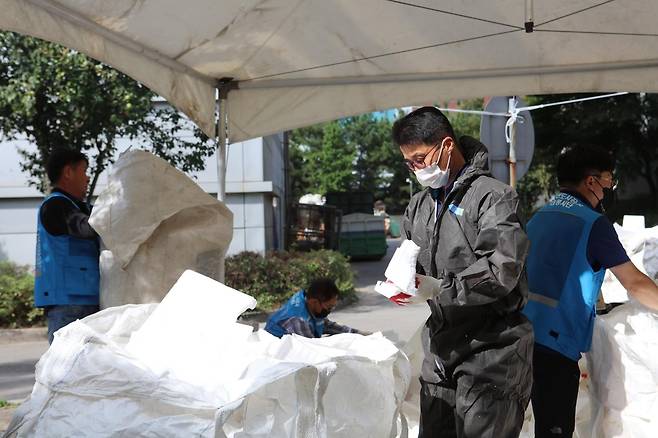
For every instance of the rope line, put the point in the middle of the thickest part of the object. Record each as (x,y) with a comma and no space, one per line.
(456,14)
(462,40)
(382,55)
(531,107)
(574,13)
(593,32)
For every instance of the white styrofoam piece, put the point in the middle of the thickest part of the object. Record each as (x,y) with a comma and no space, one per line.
(401,269)
(387,289)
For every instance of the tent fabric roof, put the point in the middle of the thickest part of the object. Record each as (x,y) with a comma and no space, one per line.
(299,62)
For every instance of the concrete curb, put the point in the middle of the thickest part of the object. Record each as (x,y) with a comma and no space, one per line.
(32,334)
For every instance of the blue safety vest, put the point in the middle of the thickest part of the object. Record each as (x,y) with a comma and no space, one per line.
(294,307)
(66,267)
(563,287)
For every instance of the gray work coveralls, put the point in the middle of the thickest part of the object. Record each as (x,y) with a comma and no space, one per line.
(477,371)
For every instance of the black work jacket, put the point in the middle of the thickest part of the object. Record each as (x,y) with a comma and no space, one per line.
(476,246)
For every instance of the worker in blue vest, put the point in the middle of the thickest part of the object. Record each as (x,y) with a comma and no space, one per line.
(572,245)
(305,313)
(66,275)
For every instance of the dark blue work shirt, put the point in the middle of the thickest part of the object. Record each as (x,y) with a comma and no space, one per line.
(604,250)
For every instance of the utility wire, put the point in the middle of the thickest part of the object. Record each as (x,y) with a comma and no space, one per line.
(574,13)
(382,55)
(456,14)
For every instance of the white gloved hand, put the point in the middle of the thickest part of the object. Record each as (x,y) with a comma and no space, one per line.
(428,287)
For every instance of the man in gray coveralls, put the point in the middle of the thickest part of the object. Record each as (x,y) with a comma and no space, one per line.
(476,376)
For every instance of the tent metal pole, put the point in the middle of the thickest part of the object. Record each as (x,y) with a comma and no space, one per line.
(224,85)
(221,147)
(512,121)
(220,142)
(512,156)
(221,138)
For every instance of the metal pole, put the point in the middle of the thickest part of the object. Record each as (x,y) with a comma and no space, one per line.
(529,16)
(512,141)
(287,190)
(512,155)
(221,146)
(221,137)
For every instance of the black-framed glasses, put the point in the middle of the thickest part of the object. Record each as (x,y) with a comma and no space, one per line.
(419,163)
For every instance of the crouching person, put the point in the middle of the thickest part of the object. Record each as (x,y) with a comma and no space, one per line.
(305,313)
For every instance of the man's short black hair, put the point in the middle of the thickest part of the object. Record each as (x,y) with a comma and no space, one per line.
(575,163)
(323,289)
(426,125)
(60,158)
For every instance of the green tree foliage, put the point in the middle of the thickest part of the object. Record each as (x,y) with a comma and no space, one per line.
(56,97)
(355,153)
(538,183)
(322,159)
(17,297)
(627,126)
(378,168)
(466,124)
(276,277)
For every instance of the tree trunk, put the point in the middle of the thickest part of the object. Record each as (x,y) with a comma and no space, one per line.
(98,169)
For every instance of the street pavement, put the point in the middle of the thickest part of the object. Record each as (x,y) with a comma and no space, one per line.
(17,361)
(372,312)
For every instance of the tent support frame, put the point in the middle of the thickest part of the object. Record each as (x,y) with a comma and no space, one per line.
(224,86)
(221,140)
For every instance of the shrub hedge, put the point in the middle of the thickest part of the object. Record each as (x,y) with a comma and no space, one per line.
(274,278)
(17,297)
(271,280)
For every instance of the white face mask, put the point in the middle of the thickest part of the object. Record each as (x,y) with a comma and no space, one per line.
(432,176)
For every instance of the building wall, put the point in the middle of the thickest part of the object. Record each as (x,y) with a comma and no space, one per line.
(255,182)
(18,224)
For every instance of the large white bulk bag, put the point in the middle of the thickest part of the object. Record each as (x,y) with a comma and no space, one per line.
(155,223)
(184,367)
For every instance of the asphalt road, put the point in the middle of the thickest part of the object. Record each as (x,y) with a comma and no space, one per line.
(373,312)
(17,361)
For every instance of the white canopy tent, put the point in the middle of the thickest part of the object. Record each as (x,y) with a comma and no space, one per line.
(283,64)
